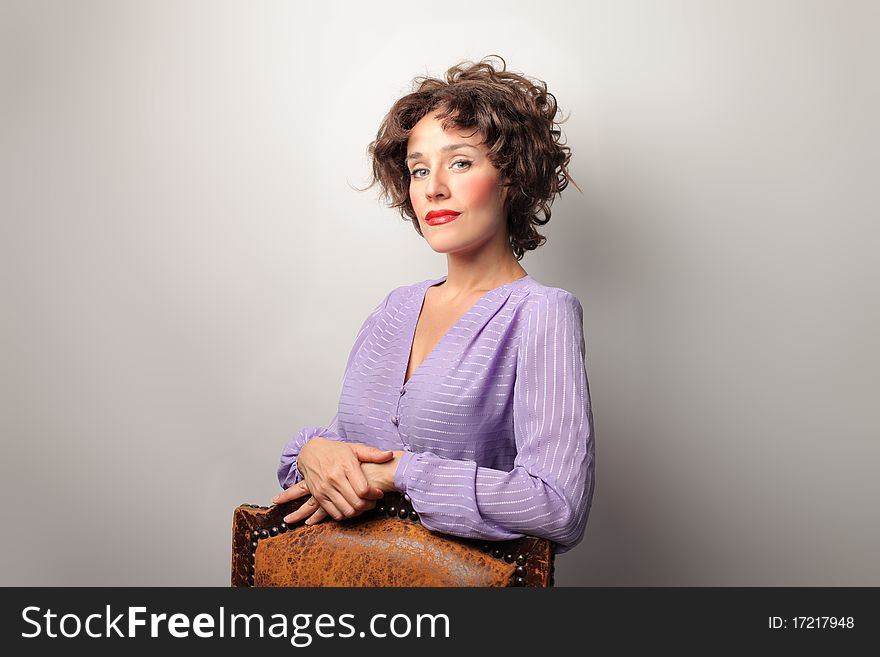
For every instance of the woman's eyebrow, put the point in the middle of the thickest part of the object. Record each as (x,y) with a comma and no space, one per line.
(448,147)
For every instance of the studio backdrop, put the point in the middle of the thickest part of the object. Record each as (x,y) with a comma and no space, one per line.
(186,262)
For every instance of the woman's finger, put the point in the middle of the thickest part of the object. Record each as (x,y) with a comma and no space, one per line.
(292,493)
(322,499)
(307,509)
(317,516)
(328,506)
(339,507)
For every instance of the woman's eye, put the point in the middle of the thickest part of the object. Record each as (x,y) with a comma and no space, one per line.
(466,162)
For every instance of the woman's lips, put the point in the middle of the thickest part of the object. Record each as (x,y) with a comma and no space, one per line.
(441,219)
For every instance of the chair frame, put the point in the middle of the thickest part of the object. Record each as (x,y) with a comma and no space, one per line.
(534,557)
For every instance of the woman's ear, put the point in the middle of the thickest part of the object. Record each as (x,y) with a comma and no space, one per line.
(505,190)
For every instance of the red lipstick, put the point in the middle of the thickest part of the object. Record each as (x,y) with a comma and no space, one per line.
(438,217)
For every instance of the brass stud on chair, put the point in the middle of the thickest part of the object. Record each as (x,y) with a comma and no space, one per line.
(282,527)
(273,531)
(264,533)
(403,513)
(497,553)
(520,560)
(392,510)
(255,534)
(508,557)
(413,515)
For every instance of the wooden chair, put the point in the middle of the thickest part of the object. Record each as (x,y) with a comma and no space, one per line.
(387,546)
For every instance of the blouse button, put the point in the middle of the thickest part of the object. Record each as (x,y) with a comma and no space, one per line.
(395,420)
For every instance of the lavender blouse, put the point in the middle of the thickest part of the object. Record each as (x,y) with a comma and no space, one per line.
(496,422)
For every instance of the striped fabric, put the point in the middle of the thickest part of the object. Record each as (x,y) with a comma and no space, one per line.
(496,422)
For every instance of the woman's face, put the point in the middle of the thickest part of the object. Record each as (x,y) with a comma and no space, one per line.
(451,171)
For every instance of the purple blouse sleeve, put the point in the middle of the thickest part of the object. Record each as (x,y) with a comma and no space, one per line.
(549,491)
(288,473)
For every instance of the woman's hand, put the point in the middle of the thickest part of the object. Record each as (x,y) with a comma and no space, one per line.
(380,476)
(332,474)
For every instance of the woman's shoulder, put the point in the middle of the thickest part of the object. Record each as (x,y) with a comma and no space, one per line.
(535,297)
(393,299)
(548,313)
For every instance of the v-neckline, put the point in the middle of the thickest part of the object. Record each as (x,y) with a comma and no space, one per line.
(418,315)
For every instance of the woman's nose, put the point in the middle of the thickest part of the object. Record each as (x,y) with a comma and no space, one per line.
(436,186)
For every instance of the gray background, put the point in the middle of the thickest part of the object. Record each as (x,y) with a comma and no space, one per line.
(185,265)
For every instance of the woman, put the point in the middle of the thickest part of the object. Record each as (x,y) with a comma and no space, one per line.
(468,393)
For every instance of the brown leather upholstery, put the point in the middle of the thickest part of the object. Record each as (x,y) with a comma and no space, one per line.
(387,546)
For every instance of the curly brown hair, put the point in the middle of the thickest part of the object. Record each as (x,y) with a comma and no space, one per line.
(516,118)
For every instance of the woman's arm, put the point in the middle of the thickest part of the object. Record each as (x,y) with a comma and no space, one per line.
(549,491)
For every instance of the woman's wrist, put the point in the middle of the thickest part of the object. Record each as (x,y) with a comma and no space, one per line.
(382,475)
(391,470)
